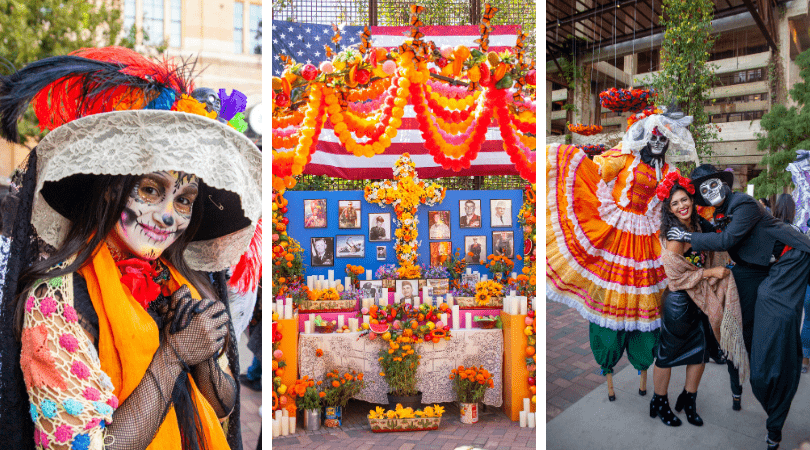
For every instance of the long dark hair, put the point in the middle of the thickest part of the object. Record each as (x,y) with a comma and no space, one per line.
(91,224)
(668,219)
(785,208)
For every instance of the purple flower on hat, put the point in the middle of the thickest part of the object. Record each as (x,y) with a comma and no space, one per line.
(231,104)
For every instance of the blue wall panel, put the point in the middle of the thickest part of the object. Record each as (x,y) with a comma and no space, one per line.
(296,229)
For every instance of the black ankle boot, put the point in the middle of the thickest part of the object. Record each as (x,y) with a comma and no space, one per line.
(773,438)
(659,406)
(687,400)
(736,404)
(771,444)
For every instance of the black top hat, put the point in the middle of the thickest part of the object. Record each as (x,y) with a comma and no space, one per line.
(704,172)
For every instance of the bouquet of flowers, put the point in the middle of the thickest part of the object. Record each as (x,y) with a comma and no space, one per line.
(340,387)
(455,266)
(399,363)
(464,290)
(486,290)
(306,394)
(499,265)
(435,272)
(353,272)
(471,383)
(324,294)
(297,291)
(351,295)
(386,272)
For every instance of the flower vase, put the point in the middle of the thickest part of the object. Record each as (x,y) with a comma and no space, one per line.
(469,412)
(312,419)
(499,276)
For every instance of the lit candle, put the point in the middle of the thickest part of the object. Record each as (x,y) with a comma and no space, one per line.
(276,428)
(368,275)
(292,425)
(468,317)
(456,317)
(523,419)
(530,417)
(340,322)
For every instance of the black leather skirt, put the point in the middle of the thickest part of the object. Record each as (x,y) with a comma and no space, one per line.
(686,335)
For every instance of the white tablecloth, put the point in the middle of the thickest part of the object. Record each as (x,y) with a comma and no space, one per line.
(465,348)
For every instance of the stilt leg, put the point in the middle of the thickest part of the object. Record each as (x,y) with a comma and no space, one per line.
(611,392)
(642,388)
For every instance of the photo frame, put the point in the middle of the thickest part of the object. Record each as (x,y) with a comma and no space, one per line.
(379,227)
(469,213)
(439,225)
(503,243)
(472,279)
(315,213)
(322,252)
(350,246)
(371,288)
(407,289)
(438,286)
(382,252)
(439,249)
(477,245)
(500,213)
(390,283)
(349,214)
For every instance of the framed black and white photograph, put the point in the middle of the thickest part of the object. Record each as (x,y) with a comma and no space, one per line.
(315,213)
(379,227)
(439,225)
(350,246)
(440,252)
(323,251)
(469,213)
(475,249)
(349,214)
(438,286)
(371,288)
(500,213)
(381,253)
(503,243)
(470,279)
(407,289)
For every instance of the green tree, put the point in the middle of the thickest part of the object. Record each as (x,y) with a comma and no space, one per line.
(685,76)
(785,131)
(33,30)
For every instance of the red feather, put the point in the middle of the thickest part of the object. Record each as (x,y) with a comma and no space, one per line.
(248,271)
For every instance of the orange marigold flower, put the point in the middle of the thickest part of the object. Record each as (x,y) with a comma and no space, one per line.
(335,383)
(321,394)
(318,353)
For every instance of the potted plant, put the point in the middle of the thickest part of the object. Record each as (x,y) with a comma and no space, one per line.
(455,266)
(308,399)
(500,266)
(354,273)
(340,387)
(470,385)
(399,363)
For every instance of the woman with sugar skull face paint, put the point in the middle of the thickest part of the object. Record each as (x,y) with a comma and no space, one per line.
(122,340)
(602,252)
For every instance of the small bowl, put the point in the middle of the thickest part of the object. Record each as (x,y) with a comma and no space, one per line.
(487,324)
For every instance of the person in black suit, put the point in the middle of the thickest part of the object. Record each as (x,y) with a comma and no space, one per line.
(377,233)
(470,220)
(772,266)
(323,254)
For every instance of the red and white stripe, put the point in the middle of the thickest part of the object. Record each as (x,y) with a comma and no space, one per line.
(332,159)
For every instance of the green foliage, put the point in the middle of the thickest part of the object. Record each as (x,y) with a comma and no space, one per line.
(310,400)
(785,131)
(685,76)
(33,30)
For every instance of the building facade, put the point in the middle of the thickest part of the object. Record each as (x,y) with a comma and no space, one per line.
(754,61)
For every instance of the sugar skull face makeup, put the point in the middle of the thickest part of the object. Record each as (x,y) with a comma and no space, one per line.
(712,191)
(157,212)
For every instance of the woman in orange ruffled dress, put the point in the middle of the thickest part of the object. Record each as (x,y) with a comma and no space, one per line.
(602,248)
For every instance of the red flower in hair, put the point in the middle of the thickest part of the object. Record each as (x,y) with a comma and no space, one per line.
(138,275)
(669,182)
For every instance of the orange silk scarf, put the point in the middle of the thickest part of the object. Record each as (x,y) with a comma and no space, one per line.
(128,339)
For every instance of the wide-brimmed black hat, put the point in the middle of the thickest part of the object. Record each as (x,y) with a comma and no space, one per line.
(704,172)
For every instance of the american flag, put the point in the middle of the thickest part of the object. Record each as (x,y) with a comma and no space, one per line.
(305,42)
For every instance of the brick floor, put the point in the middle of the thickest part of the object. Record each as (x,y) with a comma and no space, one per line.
(571,371)
(493,431)
(250,419)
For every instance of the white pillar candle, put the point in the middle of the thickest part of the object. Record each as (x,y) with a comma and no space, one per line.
(416,302)
(280,309)
(309,282)
(285,413)
(331,274)
(428,300)
(530,417)
(484,278)
(444,318)
(317,285)
(523,419)
(367,319)
(408,301)
(285,425)
(449,299)
(368,275)
(307,325)
(526,404)
(514,275)
(276,428)
(292,425)
(348,282)
(385,293)
(288,311)
(468,318)
(278,415)
(524,305)
(456,317)
(469,271)
(340,322)
(512,293)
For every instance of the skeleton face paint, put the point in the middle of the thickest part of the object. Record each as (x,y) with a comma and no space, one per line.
(712,191)
(657,142)
(157,212)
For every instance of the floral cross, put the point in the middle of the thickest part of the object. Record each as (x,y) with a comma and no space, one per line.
(405,194)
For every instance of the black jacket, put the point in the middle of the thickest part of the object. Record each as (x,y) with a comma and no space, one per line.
(751,232)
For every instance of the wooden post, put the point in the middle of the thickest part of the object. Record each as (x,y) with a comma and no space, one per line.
(372,13)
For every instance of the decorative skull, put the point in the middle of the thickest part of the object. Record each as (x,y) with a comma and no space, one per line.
(657,142)
(712,191)
(209,97)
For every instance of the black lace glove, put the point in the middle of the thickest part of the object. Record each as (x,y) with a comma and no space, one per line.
(679,234)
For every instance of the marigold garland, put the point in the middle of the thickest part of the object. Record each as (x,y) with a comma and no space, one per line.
(585,130)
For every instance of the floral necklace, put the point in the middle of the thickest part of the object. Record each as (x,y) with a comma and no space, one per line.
(146,280)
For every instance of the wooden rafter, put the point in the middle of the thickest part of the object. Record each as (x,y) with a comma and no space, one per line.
(763,27)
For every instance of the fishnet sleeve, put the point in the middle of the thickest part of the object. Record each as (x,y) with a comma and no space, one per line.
(216,385)
(71,398)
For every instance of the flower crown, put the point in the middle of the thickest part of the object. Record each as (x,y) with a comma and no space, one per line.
(673,178)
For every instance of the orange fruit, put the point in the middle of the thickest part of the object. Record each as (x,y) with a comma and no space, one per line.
(280,372)
(529,350)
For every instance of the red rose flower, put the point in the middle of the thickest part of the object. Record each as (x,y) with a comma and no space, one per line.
(138,276)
